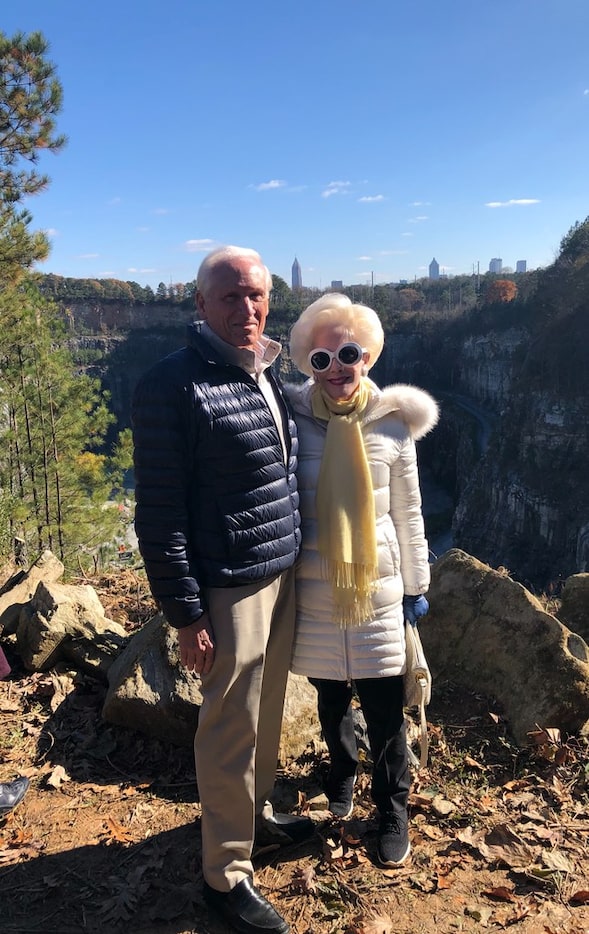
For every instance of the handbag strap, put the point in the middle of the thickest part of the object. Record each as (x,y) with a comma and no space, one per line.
(423,737)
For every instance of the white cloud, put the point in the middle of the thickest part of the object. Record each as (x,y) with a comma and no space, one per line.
(198,246)
(160,211)
(143,229)
(393,252)
(107,274)
(407,233)
(508,204)
(88,255)
(586,92)
(269,186)
(52,232)
(372,198)
(363,259)
(418,220)
(335,188)
(114,201)
(420,204)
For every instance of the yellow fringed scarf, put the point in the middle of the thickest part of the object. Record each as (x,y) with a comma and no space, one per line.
(346,517)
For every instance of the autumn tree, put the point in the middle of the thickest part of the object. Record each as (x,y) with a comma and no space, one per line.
(30,98)
(500,290)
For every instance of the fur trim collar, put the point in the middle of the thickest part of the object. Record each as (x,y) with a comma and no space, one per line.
(415,407)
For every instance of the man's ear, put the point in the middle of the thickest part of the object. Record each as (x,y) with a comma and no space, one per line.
(199,301)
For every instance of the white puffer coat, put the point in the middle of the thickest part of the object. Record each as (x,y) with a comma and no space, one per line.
(394,419)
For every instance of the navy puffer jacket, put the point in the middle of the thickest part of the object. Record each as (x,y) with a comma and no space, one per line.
(215,504)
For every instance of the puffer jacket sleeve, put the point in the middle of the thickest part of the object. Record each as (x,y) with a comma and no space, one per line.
(161,433)
(407,515)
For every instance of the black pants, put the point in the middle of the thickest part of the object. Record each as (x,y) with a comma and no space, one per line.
(382,704)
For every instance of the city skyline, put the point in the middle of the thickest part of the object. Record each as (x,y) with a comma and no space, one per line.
(397,159)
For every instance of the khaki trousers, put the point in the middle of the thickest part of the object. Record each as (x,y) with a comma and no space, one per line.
(238,734)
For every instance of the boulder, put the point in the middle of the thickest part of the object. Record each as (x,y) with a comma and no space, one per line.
(19,589)
(63,623)
(150,691)
(488,633)
(574,610)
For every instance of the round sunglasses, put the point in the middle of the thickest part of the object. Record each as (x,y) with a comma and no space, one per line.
(348,354)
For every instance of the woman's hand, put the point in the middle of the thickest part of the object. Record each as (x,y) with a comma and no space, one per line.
(414,607)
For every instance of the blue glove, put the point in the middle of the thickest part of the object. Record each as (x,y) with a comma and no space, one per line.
(414,607)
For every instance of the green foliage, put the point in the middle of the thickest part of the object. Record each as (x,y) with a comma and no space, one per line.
(30,97)
(55,481)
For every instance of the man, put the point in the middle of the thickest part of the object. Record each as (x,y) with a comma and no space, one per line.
(218,527)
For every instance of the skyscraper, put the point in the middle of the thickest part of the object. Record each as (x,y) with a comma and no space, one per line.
(434,269)
(521,265)
(496,264)
(297,276)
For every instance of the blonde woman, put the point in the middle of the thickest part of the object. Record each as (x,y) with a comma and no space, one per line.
(364,565)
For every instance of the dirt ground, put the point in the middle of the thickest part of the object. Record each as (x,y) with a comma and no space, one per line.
(107,838)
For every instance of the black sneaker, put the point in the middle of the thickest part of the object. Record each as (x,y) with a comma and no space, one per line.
(341,795)
(393,846)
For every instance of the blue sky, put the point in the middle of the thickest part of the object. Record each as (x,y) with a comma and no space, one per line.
(362,136)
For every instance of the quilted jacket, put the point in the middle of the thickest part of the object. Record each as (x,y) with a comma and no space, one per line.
(394,419)
(216,506)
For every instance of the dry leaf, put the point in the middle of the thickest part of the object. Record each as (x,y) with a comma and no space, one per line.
(581,897)
(557,861)
(468,760)
(304,880)
(58,777)
(117,832)
(377,924)
(501,893)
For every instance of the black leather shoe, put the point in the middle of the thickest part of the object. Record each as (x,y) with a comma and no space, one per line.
(12,793)
(283,830)
(245,909)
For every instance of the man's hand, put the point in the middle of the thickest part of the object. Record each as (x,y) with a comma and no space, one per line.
(197,649)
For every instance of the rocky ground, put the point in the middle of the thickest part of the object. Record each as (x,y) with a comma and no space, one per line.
(107,838)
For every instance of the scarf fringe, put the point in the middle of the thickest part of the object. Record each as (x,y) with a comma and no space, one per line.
(353,586)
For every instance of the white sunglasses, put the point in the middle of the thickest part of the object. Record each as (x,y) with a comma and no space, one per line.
(348,354)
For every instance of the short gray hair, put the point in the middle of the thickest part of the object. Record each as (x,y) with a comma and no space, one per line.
(224,254)
(361,323)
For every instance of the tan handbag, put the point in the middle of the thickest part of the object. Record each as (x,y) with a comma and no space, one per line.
(417,684)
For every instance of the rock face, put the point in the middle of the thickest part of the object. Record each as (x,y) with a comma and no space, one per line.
(150,691)
(19,590)
(574,611)
(490,634)
(67,623)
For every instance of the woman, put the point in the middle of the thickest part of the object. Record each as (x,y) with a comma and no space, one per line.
(364,566)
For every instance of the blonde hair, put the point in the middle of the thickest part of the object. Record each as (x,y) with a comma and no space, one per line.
(335,310)
(224,254)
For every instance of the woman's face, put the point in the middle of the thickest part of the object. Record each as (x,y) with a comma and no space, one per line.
(339,381)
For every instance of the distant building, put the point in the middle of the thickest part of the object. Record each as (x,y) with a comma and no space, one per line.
(521,265)
(496,264)
(337,284)
(297,276)
(434,269)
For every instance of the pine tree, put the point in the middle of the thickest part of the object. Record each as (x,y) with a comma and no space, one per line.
(30,97)
(55,482)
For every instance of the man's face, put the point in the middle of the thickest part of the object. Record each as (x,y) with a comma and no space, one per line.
(235,305)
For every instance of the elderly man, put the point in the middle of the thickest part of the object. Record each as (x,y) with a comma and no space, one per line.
(218,527)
